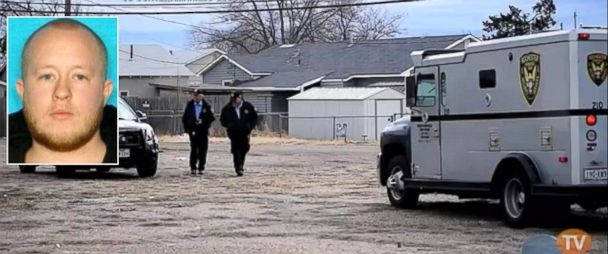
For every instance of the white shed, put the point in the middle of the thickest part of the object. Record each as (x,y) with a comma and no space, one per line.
(322,113)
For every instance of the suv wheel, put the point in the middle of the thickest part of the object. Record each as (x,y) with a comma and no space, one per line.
(65,171)
(102,170)
(147,167)
(397,194)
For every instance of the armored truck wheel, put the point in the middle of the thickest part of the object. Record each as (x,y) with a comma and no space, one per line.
(27,169)
(590,205)
(395,187)
(516,201)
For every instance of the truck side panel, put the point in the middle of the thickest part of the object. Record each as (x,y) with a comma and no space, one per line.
(484,125)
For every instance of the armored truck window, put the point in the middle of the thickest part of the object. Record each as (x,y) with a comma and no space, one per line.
(427,91)
(487,79)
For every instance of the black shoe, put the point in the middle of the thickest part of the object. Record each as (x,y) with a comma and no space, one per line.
(193,172)
(239,172)
(200,172)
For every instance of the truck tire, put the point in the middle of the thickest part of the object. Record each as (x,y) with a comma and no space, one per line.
(516,201)
(147,167)
(590,205)
(65,171)
(398,169)
(27,169)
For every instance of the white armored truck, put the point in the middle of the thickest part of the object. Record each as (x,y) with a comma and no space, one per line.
(522,119)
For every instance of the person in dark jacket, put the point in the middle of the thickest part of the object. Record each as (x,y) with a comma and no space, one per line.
(197,120)
(239,118)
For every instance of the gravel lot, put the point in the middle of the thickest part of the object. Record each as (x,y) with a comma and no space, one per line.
(294,198)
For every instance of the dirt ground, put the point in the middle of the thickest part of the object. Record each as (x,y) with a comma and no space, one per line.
(295,197)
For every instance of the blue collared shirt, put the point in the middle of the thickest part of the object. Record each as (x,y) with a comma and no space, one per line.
(198,107)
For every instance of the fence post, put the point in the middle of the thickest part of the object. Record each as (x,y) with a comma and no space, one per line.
(280,127)
(333,127)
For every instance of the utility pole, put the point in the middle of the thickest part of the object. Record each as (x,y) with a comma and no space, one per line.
(68,7)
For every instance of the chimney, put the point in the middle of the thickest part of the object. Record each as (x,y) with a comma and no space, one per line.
(131,53)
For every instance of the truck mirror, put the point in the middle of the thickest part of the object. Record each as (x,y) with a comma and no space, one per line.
(410,91)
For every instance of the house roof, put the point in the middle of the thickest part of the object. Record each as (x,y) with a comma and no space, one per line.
(192,88)
(150,60)
(187,56)
(288,79)
(350,93)
(372,58)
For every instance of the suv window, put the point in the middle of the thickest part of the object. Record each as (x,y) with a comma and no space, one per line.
(125,112)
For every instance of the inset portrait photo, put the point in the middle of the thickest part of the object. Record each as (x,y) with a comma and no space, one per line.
(61,91)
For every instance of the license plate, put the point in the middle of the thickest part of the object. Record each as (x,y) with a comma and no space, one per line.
(596,174)
(124,153)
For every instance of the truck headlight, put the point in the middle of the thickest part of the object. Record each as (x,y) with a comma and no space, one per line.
(148,135)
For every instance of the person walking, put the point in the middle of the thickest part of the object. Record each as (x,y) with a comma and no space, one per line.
(197,120)
(239,118)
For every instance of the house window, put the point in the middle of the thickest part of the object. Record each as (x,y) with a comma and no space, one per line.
(124,93)
(227,82)
(487,79)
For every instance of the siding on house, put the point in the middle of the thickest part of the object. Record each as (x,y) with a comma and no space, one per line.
(201,63)
(140,86)
(222,71)
(279,101)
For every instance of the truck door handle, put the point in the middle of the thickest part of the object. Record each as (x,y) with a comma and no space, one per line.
(435,132)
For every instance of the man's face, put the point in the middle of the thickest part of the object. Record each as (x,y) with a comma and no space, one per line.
(64,88)
(238,100)
(199,97)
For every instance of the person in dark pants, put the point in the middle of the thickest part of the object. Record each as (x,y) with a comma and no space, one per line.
(239,118)
(197,119)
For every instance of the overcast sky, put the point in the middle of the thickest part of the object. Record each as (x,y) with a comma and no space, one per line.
(431,17)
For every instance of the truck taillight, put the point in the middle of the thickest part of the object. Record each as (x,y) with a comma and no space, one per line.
(563,159)
(591,119)
(583,36)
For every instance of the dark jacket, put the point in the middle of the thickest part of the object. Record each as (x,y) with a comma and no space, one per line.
(233,124)
(189,118)
(20,139)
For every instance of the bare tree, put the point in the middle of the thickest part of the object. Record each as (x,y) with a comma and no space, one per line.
(252,32)
(28,8)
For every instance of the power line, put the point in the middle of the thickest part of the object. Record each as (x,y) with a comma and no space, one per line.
(152,17)
(234,11)
(142,5)
(151,59)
